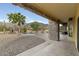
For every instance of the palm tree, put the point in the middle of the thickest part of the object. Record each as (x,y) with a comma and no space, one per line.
(17,18)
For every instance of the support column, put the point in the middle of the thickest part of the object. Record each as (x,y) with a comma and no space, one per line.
(58,31)
(53,30)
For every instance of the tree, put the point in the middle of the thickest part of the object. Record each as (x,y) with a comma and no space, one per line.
(17,18)
(35,26)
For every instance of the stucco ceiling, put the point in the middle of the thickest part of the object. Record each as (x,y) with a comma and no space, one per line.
(60,11)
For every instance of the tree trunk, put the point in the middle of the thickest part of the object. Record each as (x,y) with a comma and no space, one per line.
(20,28)
(4,30)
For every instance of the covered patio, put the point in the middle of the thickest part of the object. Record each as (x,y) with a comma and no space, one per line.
(56,14)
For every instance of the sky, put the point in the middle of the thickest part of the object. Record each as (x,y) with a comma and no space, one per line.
(6,8)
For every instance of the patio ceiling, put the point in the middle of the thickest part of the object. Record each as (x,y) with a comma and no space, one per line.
(53,11)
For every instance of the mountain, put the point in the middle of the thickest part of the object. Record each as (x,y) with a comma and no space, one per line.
(46,25)
(26,24)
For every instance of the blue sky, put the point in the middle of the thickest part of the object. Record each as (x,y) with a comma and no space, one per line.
(6,8)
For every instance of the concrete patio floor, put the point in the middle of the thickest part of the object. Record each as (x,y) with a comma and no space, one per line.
(53,48)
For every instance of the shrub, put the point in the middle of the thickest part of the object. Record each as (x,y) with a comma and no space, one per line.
(24,30)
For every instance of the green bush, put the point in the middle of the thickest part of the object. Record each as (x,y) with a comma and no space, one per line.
(24,30)
(35,26)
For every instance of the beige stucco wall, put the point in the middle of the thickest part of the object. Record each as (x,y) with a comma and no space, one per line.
(75,25)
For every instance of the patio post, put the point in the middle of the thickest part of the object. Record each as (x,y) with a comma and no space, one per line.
(53,30)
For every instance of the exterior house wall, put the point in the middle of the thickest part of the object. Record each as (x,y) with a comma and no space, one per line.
(74,36)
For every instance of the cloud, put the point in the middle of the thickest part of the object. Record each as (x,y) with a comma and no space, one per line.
(2,20)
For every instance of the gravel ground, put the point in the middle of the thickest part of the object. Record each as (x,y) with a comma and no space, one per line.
(6,38)
(19,45)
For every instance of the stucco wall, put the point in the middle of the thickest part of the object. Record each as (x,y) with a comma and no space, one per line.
(75,26)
